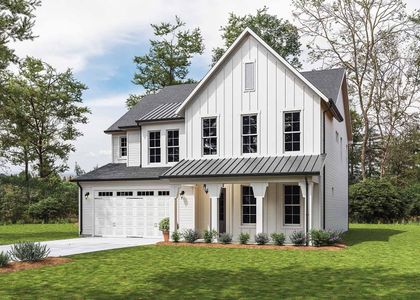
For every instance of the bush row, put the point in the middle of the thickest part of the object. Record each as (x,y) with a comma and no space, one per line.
(24,251)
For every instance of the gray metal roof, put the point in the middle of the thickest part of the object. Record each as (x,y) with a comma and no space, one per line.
(327,81)
(248,166)
(164,111)
(169,94)
(121,172)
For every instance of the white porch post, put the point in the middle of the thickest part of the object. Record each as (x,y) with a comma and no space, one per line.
(172,209)
(310,200)
(259,189)
(307,188)
(213,190)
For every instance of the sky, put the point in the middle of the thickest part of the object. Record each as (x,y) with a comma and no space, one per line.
(98,40)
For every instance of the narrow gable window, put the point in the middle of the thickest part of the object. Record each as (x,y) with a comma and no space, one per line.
(249,76)
(123,146)
(249,134)
(292,131)
(154,147)
(173,145)
(291,205)
(209,136)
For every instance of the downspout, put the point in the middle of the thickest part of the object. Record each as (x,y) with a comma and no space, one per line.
(307,211)
(80,208)
(323,167)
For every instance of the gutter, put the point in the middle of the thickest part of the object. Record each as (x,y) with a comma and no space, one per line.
(323,169)
(80,208)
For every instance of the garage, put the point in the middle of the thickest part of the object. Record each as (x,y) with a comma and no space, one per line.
(129,213)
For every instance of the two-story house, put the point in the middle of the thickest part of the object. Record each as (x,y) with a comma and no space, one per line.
(255,146)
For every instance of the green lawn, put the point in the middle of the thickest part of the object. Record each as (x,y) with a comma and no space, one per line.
(36,232)
(383,261)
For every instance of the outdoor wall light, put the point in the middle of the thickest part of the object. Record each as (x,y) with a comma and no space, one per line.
(182,193)
(205,188)
(87,195)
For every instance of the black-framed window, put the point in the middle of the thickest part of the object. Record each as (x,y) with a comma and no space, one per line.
(123,146)
(105,194)
(163,193)
(145,193)
(173,145)
(249,134)
(249,206)
(292,205)
(209,133)
(292,131)
(122,194)
(154,146)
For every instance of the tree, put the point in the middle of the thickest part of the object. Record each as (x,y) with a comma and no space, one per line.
(168,59)
(359,36)
(16,22)
(280,34)
(41,109)
(78,170)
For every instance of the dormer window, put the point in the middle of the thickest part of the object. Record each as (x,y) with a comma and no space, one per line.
(249,76)
(123,146)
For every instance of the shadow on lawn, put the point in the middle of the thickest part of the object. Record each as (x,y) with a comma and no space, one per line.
(360,235)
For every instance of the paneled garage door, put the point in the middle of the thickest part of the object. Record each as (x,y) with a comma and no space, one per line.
(130,216)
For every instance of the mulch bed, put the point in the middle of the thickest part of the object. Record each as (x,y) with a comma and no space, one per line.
(20,265)
(254,246)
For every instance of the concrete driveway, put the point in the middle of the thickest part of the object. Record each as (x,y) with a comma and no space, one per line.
(90,244)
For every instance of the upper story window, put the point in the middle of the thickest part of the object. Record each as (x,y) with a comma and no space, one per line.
(123,146)
(292,131)
(154,147)
(249,134)
(173,145)
(209,136)
(249,76)
(249,206)
(291,205)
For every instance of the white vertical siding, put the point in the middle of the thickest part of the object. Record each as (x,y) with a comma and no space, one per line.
(277,90)
(133,142)
(186,209)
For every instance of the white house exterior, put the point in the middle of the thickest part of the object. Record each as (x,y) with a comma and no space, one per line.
(256,146)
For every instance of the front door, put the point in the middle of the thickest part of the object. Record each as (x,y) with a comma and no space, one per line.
(222,211)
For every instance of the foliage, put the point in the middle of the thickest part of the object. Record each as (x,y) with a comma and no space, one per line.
(164,224)
(29,251)
(262,238)
(175,236)
(209,235)
(244,238)
(78,170)
(280,34)
(298,238)
(278,238)
(375,200)
(168,59)
(321,237)
(190,235)
(4,259)
(225,238)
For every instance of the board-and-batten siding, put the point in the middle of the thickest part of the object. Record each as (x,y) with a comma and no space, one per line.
(133,141)
(277,90)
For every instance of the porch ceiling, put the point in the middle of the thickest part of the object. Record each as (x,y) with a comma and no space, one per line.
(248,166)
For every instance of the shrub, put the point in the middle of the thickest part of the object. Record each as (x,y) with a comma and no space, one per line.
(244,237)
(175,236)
(325,237)
(4,259)
(262,238)
(209,235)
(29,251)
(190,235)
(225,238)
(298,238)
(164,224)
(278,238)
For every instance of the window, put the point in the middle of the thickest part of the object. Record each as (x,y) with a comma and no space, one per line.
(249,134)
(105,194)
(154,147)
(209,136)
(291,205)
(292,131)
(122,194)
(123,146)
(145,193)
(163,193)
(249,206)
(173,145)
(249,76)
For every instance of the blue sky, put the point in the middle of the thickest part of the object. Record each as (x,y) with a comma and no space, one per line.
(99,38)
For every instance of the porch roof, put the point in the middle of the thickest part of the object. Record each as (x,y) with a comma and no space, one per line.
(248,166)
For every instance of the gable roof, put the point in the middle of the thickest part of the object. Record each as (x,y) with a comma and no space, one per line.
(169,94)
(327,81)
(238,40)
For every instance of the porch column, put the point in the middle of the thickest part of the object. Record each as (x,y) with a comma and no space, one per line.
(307,189)
(213,190)
(259,189)
(172,209)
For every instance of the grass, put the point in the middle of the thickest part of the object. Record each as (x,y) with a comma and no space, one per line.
(383,261)
(36,232)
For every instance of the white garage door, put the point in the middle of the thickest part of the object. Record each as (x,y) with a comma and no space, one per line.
(136,216)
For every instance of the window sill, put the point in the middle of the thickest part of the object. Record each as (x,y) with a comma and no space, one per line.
(248,226)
